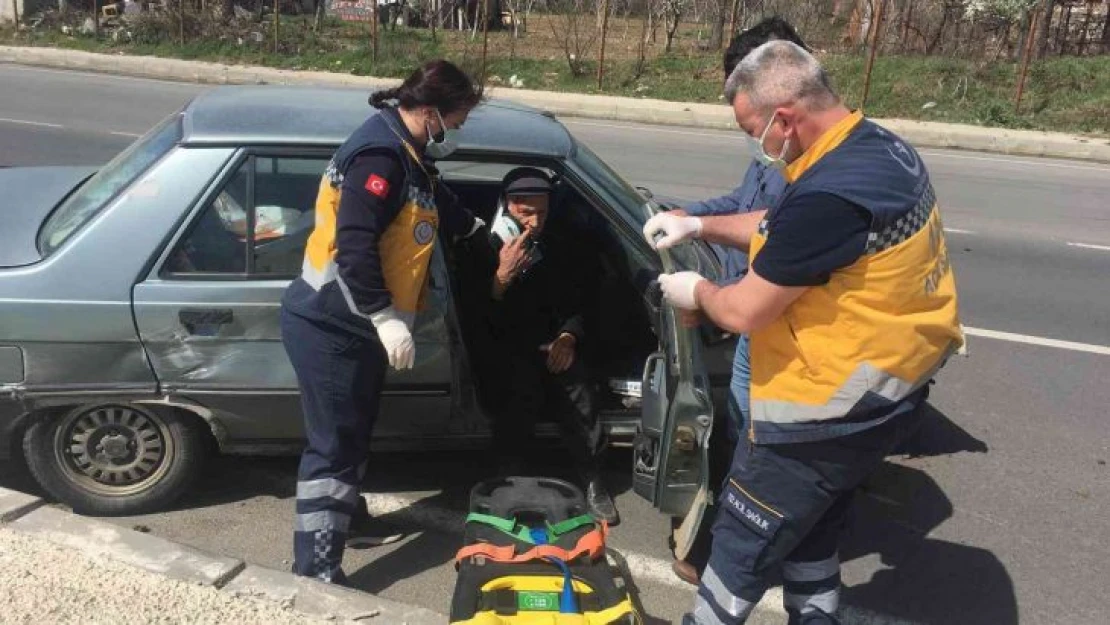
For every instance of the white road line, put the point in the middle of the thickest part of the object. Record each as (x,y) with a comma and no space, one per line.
(1043,162)
(959,231)
(104,75)
(28,122)
(643,568)
(1102,350)
(1090,246)
(125,134)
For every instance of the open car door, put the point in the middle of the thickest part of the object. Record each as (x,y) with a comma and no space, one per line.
(671,448)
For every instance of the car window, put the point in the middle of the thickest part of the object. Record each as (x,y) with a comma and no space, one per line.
(279,195)
(107,184)
(636,208)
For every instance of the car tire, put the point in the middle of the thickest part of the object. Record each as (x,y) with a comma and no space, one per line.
(116,459)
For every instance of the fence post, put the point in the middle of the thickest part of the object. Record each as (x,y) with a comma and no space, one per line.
(878,18)
(732,22)
(374,30)
(604,32)
(1036,14)
(277,26)
(485,39)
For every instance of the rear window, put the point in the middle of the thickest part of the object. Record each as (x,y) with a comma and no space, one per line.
(107,184)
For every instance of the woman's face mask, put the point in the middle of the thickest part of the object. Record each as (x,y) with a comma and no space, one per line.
(442,143)
(760,153)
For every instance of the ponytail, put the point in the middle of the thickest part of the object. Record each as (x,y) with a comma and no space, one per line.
(379,99)
(439,84)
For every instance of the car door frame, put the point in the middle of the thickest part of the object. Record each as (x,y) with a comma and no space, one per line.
(671,467)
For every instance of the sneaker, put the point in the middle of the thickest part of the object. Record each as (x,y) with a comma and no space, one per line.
(367,531)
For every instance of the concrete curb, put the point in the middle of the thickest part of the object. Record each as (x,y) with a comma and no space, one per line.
(710,116)
(26,514)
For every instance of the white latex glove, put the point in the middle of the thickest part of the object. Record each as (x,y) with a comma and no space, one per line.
(675,229)
(396,337)
(678,288)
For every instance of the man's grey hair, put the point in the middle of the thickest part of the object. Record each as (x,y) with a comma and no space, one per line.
(780,72)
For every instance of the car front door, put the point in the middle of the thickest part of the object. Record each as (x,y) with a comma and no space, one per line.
(671,467)
(208,313)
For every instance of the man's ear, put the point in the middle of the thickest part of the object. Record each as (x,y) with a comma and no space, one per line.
(788,118)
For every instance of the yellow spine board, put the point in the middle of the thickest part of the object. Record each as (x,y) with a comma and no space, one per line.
(543,583)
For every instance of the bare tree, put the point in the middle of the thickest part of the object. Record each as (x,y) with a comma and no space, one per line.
(1045,28)
(641,57)
(574,32)
(720,16)
(517,8)
(1106,29)
(672,13)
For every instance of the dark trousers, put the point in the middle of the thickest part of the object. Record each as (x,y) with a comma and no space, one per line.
(340,375)
(527,391)
(782,509)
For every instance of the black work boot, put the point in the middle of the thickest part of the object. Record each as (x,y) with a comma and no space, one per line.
(599,501)
(369,531)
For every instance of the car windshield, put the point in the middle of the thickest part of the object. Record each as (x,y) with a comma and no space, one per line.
(637,208)
(103,187)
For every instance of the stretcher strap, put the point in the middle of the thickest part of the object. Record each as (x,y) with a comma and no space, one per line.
(512,528)
(591,544)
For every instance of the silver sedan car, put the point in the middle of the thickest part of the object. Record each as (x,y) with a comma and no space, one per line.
(139,303)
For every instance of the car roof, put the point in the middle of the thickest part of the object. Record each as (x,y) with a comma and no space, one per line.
(282,115)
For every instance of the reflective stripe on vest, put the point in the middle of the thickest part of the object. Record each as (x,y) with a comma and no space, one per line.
(881,327)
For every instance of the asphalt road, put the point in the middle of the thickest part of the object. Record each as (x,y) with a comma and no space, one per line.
(1000,514)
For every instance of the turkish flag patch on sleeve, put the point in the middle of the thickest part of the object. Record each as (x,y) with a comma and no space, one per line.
(377,185)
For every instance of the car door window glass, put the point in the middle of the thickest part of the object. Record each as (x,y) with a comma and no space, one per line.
(278,195)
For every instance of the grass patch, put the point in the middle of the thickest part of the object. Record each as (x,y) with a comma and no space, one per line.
(1063,94)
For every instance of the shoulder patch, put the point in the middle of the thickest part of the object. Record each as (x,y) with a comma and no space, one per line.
(377,185)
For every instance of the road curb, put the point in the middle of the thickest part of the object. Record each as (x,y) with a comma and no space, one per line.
(14,504)
(709,116)
(25,514)
(313,597)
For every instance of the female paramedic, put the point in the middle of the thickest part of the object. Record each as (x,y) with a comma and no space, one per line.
(350,314)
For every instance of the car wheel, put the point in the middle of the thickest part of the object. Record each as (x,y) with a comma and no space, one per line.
(116,459)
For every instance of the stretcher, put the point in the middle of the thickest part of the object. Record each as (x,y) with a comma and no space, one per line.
(532,555)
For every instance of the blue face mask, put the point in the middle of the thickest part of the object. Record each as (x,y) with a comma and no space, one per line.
(760,154)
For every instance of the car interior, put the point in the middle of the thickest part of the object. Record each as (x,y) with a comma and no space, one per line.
(620,332)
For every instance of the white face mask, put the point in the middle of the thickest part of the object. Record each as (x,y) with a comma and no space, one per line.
(443,144)
(760,153)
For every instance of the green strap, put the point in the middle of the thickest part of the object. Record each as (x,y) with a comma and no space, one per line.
(569,525)
(505,525)
(508,526)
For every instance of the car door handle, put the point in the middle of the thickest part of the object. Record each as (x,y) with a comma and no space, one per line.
(192,318)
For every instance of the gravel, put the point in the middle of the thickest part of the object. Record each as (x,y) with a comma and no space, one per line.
(43,582)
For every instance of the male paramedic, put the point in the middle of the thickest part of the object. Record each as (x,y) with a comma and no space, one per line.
(851,307)
(760,189)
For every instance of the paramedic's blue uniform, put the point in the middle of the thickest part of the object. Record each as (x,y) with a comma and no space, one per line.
(376,226)
(838,379)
